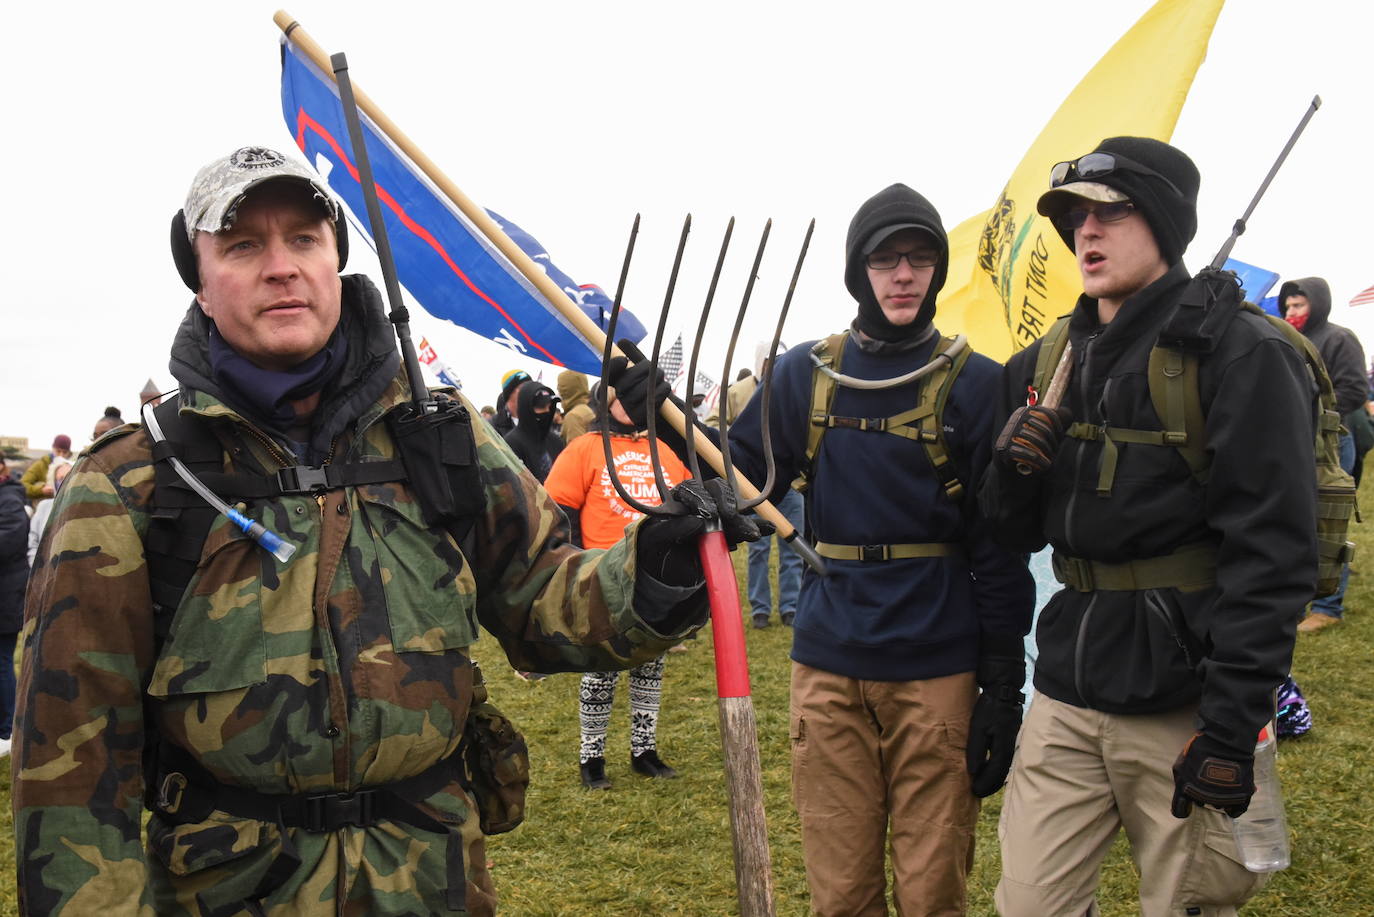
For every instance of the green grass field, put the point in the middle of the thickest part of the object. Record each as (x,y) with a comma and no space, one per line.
(663,847)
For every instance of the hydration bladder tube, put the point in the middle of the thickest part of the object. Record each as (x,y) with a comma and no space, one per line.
(271,542)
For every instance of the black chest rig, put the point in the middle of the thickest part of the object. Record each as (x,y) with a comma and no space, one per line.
(437,457)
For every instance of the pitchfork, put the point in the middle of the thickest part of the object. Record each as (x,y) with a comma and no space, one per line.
(739,738)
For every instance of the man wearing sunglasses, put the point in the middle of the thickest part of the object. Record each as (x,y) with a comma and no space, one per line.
(1159,658)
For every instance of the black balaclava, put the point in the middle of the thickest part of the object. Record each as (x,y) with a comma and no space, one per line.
(1170,212)
(895,207)
(534,423)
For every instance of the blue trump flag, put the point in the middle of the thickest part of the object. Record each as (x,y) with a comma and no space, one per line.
(1255,281)
(446,263)
(588,297)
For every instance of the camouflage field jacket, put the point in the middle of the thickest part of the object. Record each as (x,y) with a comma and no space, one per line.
(342,668)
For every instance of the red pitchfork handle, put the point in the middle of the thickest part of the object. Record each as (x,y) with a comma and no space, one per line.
(738,731)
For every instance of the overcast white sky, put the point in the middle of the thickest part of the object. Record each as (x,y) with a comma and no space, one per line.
(571,117)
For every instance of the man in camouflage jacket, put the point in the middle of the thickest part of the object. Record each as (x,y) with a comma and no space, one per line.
(341,670)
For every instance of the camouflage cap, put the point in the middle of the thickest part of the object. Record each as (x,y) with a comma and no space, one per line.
(1057,200)
(219,188)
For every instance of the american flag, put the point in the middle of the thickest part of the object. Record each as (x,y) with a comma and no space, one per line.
(1364,297)
(670,361)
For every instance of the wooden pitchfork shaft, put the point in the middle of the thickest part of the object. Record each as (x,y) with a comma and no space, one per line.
(738,736)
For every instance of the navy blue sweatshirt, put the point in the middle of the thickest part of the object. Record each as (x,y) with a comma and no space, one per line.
(893,620)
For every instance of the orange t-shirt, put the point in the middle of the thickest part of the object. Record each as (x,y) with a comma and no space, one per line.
(579,479)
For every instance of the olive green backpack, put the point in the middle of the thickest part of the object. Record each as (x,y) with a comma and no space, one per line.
(1173,376)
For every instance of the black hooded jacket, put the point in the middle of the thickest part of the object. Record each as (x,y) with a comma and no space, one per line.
(1340,349)
(1153,650)
(532,439)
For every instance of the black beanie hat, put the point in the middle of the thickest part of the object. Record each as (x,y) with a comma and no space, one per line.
(891,209)
(1170,212)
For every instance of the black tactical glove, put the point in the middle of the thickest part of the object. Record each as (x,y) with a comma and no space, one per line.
(1031,437)
(668,543)
(996,720)
(631,384)
(1208,773)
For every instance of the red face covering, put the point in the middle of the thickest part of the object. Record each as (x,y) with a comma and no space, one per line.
(1297,321)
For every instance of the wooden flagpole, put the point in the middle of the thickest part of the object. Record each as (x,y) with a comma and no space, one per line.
(532,272)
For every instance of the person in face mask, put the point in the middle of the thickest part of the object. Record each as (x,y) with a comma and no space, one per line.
(1306,305)
(534,440)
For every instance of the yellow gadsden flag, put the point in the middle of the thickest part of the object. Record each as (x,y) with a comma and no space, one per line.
(1010,275)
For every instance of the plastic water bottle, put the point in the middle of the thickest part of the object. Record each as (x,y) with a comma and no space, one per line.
(1262,832)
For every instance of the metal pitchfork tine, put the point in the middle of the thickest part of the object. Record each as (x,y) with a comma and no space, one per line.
(767,381)
(667,505)
(693,464)
(738,730)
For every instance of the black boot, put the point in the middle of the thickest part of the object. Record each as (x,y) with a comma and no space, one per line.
(651,765)
(594,774)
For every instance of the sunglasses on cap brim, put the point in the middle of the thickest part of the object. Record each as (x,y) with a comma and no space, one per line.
(1096,165)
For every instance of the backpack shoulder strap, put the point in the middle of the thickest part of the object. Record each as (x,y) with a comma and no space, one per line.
(180,520)
(829,351)
(1177,400)
(937,447)
(1051,349)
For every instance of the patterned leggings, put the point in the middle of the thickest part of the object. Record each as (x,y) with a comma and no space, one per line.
(594,708)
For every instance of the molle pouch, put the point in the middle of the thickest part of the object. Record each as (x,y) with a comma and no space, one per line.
(497,763)
(440,456)
(1336,507)
(1205,309)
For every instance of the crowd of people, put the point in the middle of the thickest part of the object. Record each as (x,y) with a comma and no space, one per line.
(290,703)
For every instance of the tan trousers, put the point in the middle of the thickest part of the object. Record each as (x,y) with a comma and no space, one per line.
(1078,777)
(876,761)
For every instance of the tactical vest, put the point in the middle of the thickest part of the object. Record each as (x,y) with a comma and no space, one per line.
(441,467)
(1175,396)
(923,423)
(180,519)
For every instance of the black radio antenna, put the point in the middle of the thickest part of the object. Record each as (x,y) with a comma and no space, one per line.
(400,315)
(1240,224)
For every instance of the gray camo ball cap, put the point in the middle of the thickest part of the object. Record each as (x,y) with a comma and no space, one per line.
(1057,200)
(219,188)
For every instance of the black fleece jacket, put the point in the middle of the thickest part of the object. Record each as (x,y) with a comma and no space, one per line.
(1146,651)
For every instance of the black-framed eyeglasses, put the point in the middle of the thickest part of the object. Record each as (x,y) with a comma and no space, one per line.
(886,259)
(1096,165)
(1075,217)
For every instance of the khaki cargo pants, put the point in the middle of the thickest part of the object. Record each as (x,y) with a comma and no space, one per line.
(866,753)
(1078,777)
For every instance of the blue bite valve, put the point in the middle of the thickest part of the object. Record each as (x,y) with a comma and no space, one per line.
(272,543)
(279,547)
